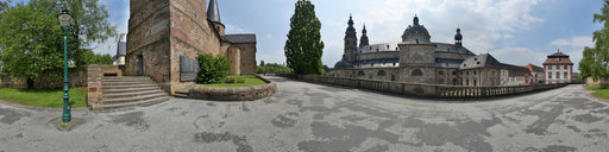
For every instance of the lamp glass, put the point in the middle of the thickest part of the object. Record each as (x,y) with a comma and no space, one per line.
(64,18)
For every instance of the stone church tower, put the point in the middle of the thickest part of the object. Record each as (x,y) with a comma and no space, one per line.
(166,36)
(350,43)
(364,40)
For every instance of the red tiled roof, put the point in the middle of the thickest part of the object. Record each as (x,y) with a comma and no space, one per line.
(558,54)
(561,60)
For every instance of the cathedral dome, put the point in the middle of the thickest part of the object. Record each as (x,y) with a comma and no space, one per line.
(416,33)
(342,64)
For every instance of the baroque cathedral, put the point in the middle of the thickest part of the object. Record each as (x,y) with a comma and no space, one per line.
(416,59)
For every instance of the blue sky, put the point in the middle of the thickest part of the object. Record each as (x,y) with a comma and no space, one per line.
(514,31)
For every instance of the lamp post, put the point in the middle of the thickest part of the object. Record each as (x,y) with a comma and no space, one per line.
(64,20)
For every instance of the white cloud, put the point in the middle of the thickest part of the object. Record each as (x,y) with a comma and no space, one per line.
(482,21)
(231,28)
(577,41)
(519,56)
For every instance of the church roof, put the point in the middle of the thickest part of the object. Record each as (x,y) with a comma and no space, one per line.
(480,61)
(213,11)
(445,47)
(240,38)
(342,64)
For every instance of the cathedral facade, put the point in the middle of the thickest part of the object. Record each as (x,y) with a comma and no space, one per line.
(416,59)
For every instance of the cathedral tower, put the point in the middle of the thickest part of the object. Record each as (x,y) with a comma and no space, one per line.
(458,38)
(350,43)
(213,15)
(364,40)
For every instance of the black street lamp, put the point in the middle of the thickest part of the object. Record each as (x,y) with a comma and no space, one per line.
(64,20)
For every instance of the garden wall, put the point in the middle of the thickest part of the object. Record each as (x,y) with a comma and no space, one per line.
(428,90)
(234,94)
(77,77)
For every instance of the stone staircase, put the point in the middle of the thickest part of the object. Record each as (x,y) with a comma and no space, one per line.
(127,91)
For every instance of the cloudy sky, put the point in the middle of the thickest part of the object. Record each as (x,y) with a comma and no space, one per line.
(514,31)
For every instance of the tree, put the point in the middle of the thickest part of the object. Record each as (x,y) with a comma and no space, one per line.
(304,48)
(262,63)
(32,40)
(212,69)
(31,44)
(595,60)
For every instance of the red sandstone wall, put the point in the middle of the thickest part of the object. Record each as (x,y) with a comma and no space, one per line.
(149,37)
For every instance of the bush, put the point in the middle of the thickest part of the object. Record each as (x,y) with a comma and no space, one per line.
(230,80)
(273,68)
(212,69)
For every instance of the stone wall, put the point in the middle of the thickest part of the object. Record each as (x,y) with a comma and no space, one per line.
(248,58)
(234,94)
(148,40)
(94,84)
(427,90)
(8,82)
(77,77)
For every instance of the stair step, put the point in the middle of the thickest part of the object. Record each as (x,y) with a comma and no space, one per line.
(130,94)
(124,83)
(126,79)
(131,86)
(143,103)
(132,99)
(125,90)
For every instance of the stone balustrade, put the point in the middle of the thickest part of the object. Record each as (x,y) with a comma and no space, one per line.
(428,90)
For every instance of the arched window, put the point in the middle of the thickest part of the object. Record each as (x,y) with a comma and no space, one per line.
(417,72)
(381,73)
(361,73)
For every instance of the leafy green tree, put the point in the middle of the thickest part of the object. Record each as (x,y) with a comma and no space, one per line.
(596,60)
(93,58)
(32,40)
(304,48)
(262,63)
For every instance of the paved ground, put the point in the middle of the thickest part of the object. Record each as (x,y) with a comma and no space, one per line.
(309,117)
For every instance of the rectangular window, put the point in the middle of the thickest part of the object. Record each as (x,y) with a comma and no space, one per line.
(566,75)
(566,67)
(549,67)
(549,75)
(557,75)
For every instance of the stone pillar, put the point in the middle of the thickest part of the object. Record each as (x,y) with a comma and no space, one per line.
(234,56)
(94,84)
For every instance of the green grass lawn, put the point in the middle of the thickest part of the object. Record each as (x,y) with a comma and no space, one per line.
(44,98)
(249,80)
(599,93)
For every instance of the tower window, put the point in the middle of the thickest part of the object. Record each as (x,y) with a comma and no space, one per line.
(417,72)
(381,73)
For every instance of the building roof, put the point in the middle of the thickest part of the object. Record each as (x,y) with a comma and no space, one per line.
(416,32)
(213,11)
(558,58)
(445,47)
(240,38)
(515,70)
(533,68)
(480,61)
(342,64)
(558,54)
